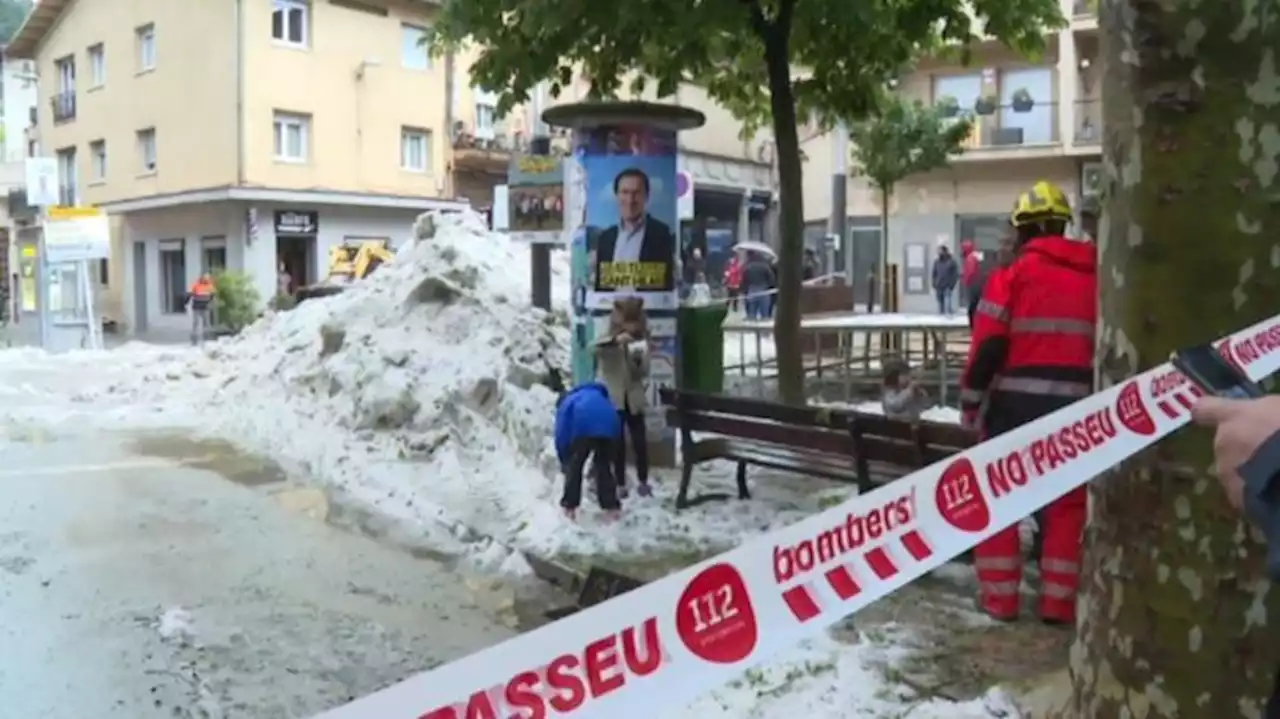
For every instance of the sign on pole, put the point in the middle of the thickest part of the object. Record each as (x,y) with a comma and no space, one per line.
(535,199)
(76,234)
(42,181)
(684,194)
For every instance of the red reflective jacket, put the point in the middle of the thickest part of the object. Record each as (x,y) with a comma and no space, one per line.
(1033,334)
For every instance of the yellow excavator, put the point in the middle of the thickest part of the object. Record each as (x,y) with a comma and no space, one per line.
(348,262)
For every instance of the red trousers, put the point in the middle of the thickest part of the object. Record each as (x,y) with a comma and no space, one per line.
(999,563)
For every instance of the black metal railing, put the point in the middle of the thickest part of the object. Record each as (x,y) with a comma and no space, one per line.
(64,106)
(1088,122)
(1016,124)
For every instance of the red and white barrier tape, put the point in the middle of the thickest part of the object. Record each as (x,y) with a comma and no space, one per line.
(667,642)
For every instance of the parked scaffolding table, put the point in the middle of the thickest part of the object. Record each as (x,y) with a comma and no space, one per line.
(857,356)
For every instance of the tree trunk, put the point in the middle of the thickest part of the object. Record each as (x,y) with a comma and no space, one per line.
(886,194)
(1175,617)
(786,322)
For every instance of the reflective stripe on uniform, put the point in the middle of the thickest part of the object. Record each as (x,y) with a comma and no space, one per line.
(998,564)
(1059,566)
(999,589)
(1052,326)
(974,396)
(1051,387)
(1053,590)
(992,309)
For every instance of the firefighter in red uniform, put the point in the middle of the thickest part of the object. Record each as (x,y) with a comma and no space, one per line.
(1032,354)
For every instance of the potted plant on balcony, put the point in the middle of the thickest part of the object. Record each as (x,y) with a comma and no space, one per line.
(948,106)
(1022,100)
(986,105)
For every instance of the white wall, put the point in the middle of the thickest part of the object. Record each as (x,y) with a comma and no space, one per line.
(19,81)
(191,223)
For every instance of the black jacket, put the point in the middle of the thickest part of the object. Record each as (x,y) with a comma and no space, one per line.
(658,246)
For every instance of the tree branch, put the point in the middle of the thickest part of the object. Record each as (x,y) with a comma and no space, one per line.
(786,12)
(756,13)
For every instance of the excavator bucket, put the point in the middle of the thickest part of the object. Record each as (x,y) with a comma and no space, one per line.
(347,263)
(313,291)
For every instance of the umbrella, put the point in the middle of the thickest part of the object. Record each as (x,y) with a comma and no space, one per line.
(759,247)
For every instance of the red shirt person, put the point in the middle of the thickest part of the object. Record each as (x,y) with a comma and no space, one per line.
(1032,354)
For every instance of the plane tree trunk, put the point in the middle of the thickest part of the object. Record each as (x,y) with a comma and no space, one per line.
(1176,619)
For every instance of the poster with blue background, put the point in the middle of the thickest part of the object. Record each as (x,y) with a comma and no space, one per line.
(627,246)
(631,217)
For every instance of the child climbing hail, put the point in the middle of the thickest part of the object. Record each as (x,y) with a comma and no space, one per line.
(902,396)
(588,428)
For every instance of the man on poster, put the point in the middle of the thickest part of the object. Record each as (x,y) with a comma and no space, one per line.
(639,252)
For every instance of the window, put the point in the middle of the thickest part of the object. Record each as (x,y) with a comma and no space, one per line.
(1034,126)
(291,137)
(146,38)
(964,89)
(97,65)
(67,178)
(289,22)
(173,277)
(413,48)
(104,272)
(415,150)
(66,68)
(213,254)
(147,149)
(98,155)
(484,120)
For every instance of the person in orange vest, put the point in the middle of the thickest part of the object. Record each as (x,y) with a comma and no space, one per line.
(1032,354)
(200,302)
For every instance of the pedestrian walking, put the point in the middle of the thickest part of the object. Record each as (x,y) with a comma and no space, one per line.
(946,275)
(200,304)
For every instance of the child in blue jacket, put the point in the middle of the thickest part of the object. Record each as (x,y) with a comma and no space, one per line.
(587,424)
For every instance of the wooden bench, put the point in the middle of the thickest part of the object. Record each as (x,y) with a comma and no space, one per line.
(842,445)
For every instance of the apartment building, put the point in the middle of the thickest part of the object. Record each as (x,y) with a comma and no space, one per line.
(248,134)
(1031,121)
(732,179)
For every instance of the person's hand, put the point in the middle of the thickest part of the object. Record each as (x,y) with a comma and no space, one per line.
(1242,427)
(969,419)
(622,338)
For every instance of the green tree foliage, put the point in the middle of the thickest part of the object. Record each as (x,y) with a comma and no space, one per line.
(905,138)
(12,13)
(236,300)
(773,63)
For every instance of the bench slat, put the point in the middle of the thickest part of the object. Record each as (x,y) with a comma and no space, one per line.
(935,433)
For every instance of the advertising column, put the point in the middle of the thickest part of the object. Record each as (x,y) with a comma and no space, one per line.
(624,225)
(630,243)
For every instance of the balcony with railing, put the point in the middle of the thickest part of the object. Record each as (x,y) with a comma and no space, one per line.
(1017,129)
(63,106)
(1088,123)
(1084,16)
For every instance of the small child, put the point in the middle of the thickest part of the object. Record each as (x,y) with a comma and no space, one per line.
(588,427)
(901,396)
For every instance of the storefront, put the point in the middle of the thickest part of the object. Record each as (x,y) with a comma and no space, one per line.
(166,246)
(733,201)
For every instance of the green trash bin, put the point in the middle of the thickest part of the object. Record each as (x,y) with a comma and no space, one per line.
(701,334)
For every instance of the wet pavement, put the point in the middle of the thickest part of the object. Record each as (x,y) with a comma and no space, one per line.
(157,577)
